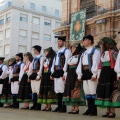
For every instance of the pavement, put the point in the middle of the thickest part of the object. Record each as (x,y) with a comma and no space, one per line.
(18,114)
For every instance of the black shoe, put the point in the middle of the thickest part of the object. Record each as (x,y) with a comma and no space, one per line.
(56,110)
(32,108)
(106,115)
(70,112)
(38,107)
(93,114)
(48,109)
(86,113)
(111,115)
(44,109)
(62,110)
(25,108)
(75,112)
(1,104)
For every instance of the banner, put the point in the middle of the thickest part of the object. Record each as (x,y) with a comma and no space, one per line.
(77,30)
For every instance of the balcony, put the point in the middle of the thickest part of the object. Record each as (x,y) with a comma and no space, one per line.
(96,10)
(37,9)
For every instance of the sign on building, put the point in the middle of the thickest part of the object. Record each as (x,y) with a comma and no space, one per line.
(77,30)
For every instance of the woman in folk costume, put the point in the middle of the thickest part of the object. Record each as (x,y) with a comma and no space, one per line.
(47,95)
(6,92)
(107,77)
(73,93)
(15,78)
(24,94)
(3,76)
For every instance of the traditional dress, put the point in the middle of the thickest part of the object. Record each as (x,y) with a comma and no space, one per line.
(47,94)
(107,84)
(25,92)
(15,77)
(59,68)
(6,91)
(73,94)
(3,76)
(88,68)
(35,84)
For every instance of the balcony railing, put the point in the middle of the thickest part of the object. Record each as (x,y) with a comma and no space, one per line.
(93,11)
(38,9)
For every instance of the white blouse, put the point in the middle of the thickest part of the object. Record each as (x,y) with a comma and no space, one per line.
(73,60)
(117,65)
(105,57)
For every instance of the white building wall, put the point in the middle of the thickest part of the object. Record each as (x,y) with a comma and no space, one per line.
(15,25)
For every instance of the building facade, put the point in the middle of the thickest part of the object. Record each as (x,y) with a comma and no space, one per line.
(103,18)
(25,23)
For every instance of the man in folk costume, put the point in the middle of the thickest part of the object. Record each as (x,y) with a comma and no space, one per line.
(15,78)
(87,71)
(3,76)
(58,70)
(36,76)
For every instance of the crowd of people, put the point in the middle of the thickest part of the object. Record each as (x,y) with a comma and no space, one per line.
(79,76)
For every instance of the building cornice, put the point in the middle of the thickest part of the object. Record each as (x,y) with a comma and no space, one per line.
(30,11)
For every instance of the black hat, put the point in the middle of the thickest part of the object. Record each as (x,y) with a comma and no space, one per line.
(90,37)
(63,38)
(37,47)
(20,55)
(2,58)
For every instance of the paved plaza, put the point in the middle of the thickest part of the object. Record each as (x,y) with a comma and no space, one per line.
(15,114)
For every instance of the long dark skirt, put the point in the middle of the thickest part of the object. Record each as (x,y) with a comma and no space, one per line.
(47,94)
(6,92)
(73,94)
(106,88)
(24,94)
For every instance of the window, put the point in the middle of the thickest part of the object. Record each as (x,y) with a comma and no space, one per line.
(7,49)
(23,33)
(1,49)
(47,37)
(44,9)
(9,4)
(7,33)
(1,35)
(22,49)
(8,17)
(36,20)
(47,23)
(35,35)
(56,12)
(58,24)
(32,6)
(2,20)
(90,7)
(23,17)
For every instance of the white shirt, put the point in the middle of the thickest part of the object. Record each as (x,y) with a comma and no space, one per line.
(21,71)
(41,65)
(68,54)
(84,61)
(117,65)
(4,69)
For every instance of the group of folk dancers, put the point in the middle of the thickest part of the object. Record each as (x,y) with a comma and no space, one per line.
(74,77)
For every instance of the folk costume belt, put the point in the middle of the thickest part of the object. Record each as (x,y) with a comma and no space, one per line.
(35,71)
(57,67)
(15,75)
(106,64)
(85,67)
(72,66)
